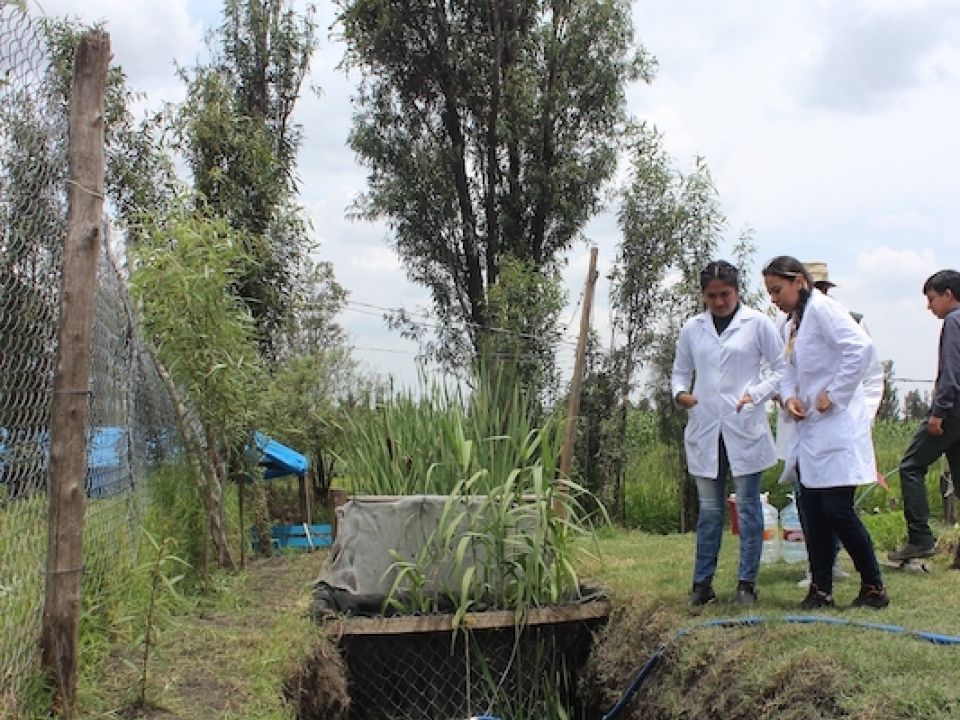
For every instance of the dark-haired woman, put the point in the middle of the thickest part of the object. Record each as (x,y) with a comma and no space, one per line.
(831,450)
(726,353)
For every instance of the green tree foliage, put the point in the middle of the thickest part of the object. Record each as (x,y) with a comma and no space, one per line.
(489,129)
(672,226)
(140,180)
(525,305)
(916,405)
(307,404)
(203,333)
(236,131)
(890,403)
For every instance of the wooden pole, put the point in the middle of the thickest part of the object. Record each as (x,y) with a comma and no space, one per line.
(576,382)
(71,380)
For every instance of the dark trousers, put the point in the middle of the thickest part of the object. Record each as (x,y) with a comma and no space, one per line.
(829,512)
(924,450)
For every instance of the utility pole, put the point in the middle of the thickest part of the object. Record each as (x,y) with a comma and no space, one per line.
(576,382)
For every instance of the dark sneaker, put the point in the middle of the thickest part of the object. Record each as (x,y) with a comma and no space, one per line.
(911,551)
(746,594)
(701,594)
(874,596)
(816,598)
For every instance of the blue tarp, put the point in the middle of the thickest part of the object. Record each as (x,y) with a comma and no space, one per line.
(277,459)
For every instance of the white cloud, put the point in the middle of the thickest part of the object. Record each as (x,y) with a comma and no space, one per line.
(774,95)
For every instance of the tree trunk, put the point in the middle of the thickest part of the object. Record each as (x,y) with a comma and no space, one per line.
(205,471)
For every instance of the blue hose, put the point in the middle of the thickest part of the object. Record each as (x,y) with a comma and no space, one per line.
(753,620)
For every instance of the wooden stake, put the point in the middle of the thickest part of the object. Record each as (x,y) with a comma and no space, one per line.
(576,382)
(71,380)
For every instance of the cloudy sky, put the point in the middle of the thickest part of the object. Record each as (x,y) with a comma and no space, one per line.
(829,126)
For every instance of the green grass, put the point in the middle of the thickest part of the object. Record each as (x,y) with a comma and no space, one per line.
(774,669)
(653,501)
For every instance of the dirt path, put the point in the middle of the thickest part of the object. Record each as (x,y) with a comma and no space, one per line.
(228,658)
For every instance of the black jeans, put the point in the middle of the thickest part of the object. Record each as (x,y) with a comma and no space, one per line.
(923,452)
(829,512)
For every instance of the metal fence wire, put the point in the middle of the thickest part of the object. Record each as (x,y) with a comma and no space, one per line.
(131,426)
(444,676)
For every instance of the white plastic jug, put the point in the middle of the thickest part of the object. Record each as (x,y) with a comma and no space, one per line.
(771,531)
(792,546)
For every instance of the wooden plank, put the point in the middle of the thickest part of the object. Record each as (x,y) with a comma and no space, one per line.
(410,624)
(316,541)
(394,498)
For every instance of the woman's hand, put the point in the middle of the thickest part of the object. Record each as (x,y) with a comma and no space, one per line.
(824,402)
(745,400)
(796,409)
(686,400)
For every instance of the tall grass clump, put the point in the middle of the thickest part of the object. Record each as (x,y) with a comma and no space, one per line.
(507,546)
(651,489)
(426,443)
(176,510)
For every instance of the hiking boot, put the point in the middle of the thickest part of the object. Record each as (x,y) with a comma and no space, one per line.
(816,598)
(874,596)
(746,594)
(911,551)
(701,594)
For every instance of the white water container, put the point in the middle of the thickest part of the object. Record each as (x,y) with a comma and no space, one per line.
(771,531)
(792,545)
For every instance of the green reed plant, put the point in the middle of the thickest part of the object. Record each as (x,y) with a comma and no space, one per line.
(161,583)
(509,545)
(428,442)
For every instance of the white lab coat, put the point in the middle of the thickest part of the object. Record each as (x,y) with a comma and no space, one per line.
(831,352)
(724,368)
(872,389)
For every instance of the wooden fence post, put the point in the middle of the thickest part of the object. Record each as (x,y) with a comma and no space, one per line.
(576,382)
(949,495)
(71,380)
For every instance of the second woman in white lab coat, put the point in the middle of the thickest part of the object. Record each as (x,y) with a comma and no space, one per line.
(831,449)
(728,364)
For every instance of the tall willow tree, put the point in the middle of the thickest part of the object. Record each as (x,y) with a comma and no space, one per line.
(672,226)
(236,131)
(488,128)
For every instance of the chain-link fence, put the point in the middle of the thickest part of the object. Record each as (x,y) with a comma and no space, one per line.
(444,675)
(130,422)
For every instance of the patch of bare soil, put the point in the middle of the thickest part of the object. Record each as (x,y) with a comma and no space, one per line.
(701,679)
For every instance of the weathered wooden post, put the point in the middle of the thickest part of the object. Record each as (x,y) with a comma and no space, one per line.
(948,493)
(71,380)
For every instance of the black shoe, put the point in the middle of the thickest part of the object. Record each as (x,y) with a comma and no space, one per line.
(911,551)
(701,594)
(874,596)
(816,598)
(746,594)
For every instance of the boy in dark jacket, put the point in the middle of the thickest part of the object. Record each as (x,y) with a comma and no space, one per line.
(939,434)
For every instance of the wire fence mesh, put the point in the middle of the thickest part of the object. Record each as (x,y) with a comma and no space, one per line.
(505,672)
(131,427)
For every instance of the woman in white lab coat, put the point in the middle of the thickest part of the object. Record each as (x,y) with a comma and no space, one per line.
(830,450)
(733,357)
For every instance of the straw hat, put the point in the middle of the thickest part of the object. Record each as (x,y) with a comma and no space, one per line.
(818,273)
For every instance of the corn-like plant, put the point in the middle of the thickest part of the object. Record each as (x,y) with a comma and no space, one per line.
(161,582)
